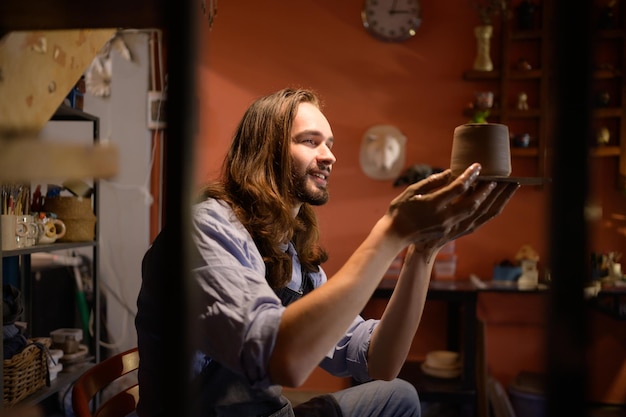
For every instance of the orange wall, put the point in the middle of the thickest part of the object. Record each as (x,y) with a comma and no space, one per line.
(256,47)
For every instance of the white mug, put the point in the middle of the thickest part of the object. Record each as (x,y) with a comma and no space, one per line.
(32,230)
(50,228)
(14,232)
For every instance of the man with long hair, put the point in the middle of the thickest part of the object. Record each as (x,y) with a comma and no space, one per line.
(264,314)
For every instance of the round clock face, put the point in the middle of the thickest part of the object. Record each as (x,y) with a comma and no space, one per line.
(391,20)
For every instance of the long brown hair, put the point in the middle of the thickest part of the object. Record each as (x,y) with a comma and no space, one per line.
(256,182)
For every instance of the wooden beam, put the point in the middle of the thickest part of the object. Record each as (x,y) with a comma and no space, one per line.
(37,71)
(31,159)
(78,14)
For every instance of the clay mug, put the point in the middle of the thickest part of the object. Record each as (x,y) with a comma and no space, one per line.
(50,228)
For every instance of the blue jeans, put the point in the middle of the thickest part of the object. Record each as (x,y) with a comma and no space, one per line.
(396,398)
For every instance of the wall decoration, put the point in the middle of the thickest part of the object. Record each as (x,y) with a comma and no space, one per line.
(383,152)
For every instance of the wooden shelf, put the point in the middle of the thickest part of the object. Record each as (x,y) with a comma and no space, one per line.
(67,113)
(472,75)
(604,151)
(534,74)
(524,152)
(433,389)
(524,114)
(524,35)
(607,112)
(607,74)
(51,247)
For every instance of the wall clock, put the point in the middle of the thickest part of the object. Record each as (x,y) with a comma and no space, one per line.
(391,20)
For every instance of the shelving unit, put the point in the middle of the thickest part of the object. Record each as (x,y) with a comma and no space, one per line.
(609,90)
(522,67)
(64,113)
(513,44)
(71,161)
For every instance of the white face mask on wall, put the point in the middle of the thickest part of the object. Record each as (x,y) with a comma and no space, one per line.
(383,152)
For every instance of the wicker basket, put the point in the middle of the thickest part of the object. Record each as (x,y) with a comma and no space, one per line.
(26,372)
(77,214)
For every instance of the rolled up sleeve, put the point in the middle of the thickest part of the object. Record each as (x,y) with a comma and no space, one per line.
(349,357)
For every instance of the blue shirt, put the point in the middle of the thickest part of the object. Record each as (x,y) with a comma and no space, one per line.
(237,316)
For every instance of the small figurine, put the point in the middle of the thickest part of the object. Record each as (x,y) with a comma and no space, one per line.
(527,252)
(522,101)
(524,65)
(603,99)
(603,136)
(484,99)
(521,140)
(530,275)
(615,268)
(528,259)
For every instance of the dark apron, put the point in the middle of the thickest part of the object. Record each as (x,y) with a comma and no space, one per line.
(214,375)
(324,405)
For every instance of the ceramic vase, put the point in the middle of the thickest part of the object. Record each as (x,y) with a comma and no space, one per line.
(483,44)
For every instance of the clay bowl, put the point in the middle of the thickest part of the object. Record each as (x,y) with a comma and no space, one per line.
(443,359)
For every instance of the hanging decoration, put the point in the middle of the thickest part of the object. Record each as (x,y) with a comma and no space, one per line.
(98,75)
(210,12)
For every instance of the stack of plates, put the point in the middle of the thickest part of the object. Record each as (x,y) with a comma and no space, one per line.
(442,364)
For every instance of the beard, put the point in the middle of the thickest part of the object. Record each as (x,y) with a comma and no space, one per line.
(307,192)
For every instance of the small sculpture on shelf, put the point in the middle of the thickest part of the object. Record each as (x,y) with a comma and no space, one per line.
(483,57)
(605,267)
(520,140)
(479,108)
(486,9)
(524,65)
(522,101)
(603,136)
(527,257)
(484,99)
(603,99)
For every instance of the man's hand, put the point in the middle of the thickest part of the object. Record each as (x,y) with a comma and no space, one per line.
(434,211)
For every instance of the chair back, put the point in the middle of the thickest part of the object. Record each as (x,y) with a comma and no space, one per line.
(101,376)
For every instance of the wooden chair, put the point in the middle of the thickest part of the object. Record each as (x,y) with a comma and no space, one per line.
(100,376)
